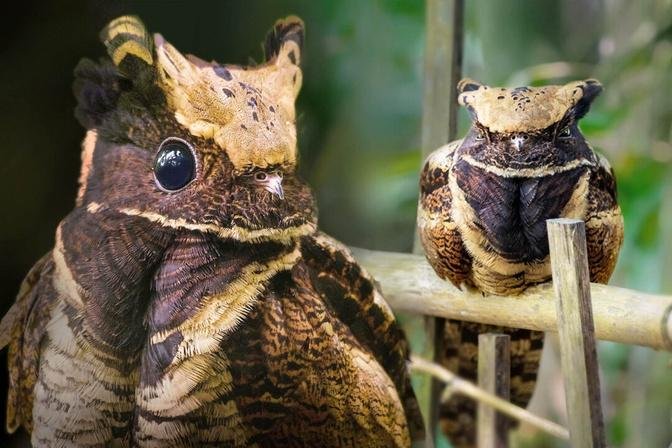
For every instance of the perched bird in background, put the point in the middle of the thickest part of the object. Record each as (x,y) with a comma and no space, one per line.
(483,208)
(189,299)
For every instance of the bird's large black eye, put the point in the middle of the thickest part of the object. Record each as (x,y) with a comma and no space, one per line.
(174,166)
(565,133)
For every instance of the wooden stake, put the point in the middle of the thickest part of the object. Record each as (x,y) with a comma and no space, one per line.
(494,371)
(571,281)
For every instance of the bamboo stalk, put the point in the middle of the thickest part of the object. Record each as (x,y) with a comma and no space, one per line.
(621,315)
(455,384)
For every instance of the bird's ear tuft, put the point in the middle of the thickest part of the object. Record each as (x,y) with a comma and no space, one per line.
(284,42)
(468,85)
(591,89)
(97,88)
(129,45)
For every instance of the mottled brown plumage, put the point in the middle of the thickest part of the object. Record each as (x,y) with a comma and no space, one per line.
(483,210)
(189,299)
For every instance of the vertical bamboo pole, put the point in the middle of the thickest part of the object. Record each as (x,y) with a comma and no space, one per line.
(442,70)
(571,281)
(494,375)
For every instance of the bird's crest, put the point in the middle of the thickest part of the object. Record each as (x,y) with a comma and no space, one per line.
(526,109)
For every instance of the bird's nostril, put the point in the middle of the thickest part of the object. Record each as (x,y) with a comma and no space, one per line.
(518,140)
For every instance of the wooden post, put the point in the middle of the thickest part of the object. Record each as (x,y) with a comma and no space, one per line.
(571,282)
(494,369)
(442,71)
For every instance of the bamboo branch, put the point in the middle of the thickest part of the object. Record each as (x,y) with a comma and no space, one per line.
(455,384)
(621,315)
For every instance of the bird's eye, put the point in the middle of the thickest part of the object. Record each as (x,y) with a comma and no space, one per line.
(565,132)
(174,166)
(480,135)
(260,176)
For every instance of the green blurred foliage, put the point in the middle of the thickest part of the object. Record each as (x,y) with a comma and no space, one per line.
(359,126)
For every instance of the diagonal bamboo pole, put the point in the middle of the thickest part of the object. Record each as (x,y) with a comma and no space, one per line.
(621,315)
(456,385)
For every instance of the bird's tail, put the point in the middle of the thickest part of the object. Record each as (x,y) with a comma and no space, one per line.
(458,415)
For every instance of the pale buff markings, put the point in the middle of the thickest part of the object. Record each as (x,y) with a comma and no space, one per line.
(23,302)
(125,25)
(93,207)
(216,382)
(175,394)
(428,219)
(611,217)
(478,246)
(539,272)
(88,145)
(577,205)
(64,282)
(199,375)
(541,171)
(189,385)
(226,310)
(234,232)
(70,406)
(473,239)
(172,433)
(67,348)
(442,157)
(383,408)
(132,47)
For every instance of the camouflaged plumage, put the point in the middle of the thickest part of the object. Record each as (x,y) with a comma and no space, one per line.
(216,315)
(483,209)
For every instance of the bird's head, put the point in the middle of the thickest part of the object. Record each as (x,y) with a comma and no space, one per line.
(193,144)
(527,130)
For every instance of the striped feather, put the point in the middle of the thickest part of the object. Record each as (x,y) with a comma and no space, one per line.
(128,43)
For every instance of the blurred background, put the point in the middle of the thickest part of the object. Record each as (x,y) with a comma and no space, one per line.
(359,131)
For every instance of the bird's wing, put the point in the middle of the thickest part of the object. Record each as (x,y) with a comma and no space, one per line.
(604,223)
(22,329)
(351,292)
(440,237)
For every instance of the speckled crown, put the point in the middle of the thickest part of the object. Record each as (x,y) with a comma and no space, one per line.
(523,109)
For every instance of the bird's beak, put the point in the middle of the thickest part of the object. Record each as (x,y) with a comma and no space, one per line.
(273,184)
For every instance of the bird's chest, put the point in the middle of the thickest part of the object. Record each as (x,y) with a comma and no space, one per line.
(507,215)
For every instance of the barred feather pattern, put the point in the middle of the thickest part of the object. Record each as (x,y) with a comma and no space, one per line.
(259,344)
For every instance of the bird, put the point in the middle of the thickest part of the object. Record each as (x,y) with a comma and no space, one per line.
(484,201)
(190,298)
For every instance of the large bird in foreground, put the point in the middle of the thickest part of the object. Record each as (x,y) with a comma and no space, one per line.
(189,299)
(483,208)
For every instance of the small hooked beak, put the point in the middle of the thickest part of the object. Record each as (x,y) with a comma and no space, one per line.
(273,184)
